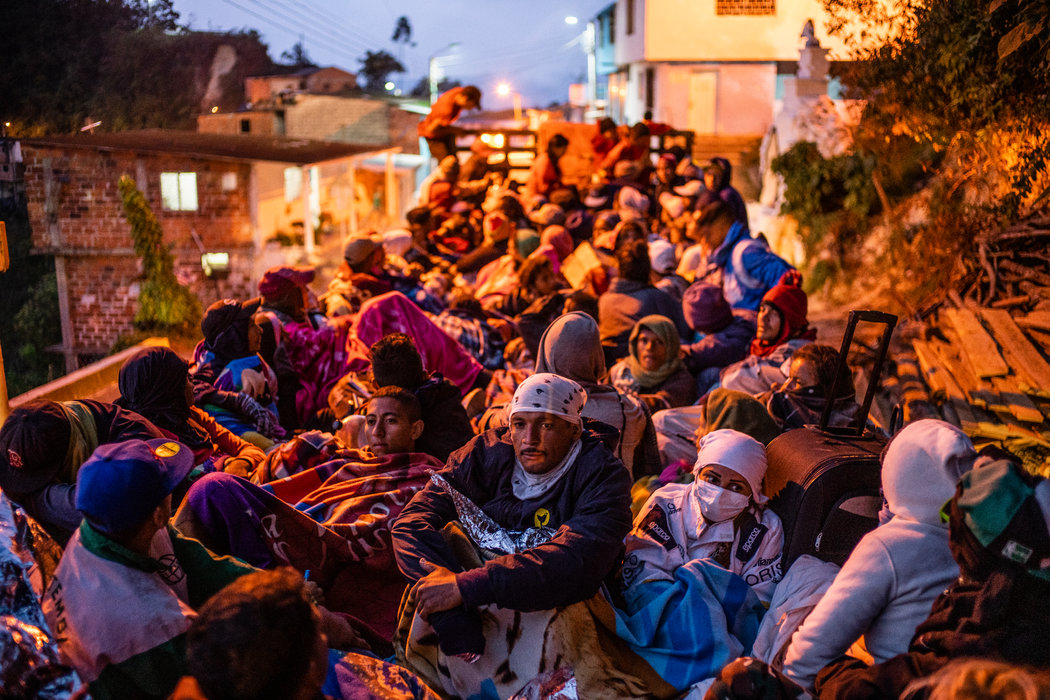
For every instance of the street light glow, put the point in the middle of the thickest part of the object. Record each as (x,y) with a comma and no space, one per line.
(389,85)
(571,20)
(503,89)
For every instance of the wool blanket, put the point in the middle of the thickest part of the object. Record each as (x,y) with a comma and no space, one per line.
(320,358)
(332,520)
(395,313)
(689,628)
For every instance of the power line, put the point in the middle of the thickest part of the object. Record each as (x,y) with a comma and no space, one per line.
(327,20)
(273,22)
(322,36)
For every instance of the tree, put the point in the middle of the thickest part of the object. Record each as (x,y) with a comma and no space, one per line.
(157,14)
(118,63)
(402,32)
(297,56)
(376,66)
(948,68)
(422,88)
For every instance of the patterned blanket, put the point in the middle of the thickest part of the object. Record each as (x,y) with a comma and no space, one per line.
(521,646)
(689,628)
(332,520)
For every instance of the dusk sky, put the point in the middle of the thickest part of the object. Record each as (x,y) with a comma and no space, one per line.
(526,43)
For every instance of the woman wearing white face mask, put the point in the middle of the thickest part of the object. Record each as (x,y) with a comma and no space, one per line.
(721,516)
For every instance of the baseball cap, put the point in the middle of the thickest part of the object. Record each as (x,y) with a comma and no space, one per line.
(278,281)
(33,445)
(122,483)
(357,249)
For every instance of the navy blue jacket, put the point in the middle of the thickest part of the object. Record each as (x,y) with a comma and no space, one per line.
(590,507)
(722,347)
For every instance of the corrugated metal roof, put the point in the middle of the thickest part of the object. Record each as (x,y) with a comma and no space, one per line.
(236,147)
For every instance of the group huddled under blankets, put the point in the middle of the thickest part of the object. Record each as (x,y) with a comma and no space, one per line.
(330,515)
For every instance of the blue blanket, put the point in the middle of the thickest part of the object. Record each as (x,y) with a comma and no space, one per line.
(689,628)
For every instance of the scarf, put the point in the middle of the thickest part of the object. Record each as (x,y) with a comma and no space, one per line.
(527,486)
(664,329)
(83,439)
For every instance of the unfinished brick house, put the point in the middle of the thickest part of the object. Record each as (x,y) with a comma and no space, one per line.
(239,200)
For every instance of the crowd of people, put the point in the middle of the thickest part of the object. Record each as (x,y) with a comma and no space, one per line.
(518,451)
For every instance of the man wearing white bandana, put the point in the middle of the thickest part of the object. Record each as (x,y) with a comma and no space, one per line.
(543,471)
(720,516)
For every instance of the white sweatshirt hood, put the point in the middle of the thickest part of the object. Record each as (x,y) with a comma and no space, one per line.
(921,467)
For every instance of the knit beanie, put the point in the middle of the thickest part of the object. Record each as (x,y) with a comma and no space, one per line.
(789,299)
(705,307)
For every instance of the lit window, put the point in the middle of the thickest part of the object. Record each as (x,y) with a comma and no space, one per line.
(178,191)
(293,184)
(229,182)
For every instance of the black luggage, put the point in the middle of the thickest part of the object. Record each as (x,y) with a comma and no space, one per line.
(825,482)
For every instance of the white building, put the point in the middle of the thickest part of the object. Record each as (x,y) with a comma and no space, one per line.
(716,67)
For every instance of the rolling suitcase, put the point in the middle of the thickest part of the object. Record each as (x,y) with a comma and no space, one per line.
(825,482)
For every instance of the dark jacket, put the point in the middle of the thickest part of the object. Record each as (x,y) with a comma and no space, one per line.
(625,304)
(589,507)
(446,426)
(722,347)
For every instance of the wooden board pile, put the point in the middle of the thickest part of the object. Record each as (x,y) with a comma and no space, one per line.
(987,372)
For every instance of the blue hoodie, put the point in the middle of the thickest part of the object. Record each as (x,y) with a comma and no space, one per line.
(749,268)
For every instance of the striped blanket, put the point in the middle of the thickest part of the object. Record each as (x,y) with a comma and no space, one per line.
(689,628)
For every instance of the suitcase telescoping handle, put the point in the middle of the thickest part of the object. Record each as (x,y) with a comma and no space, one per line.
(890,321)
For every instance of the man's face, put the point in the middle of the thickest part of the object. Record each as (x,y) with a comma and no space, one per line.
(545,283)
(769,323)
(465,101)
(388,428)
(541,440)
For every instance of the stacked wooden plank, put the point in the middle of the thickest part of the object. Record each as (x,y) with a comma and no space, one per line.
(990,377)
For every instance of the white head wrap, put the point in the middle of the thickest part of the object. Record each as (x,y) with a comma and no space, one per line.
(550,393)
(632,200)
(742,453)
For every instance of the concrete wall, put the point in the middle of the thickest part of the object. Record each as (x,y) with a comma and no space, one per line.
(330,118)
(690,30)
(326,118)
(744,96)
(261,123)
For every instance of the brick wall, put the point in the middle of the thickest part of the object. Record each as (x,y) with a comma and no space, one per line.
(84,222)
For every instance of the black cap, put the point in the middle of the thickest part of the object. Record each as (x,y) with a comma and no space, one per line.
(34,441)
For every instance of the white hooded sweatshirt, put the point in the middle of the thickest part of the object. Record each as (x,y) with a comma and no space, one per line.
(888,584)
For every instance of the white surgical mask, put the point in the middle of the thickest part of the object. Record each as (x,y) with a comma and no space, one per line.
(717,504)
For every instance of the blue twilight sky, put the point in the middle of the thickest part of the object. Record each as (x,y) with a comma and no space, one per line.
(526,43)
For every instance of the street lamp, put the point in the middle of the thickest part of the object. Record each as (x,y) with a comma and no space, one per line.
(433,69)
(504,89)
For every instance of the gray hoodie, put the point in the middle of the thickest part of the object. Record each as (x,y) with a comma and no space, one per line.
(888,584)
